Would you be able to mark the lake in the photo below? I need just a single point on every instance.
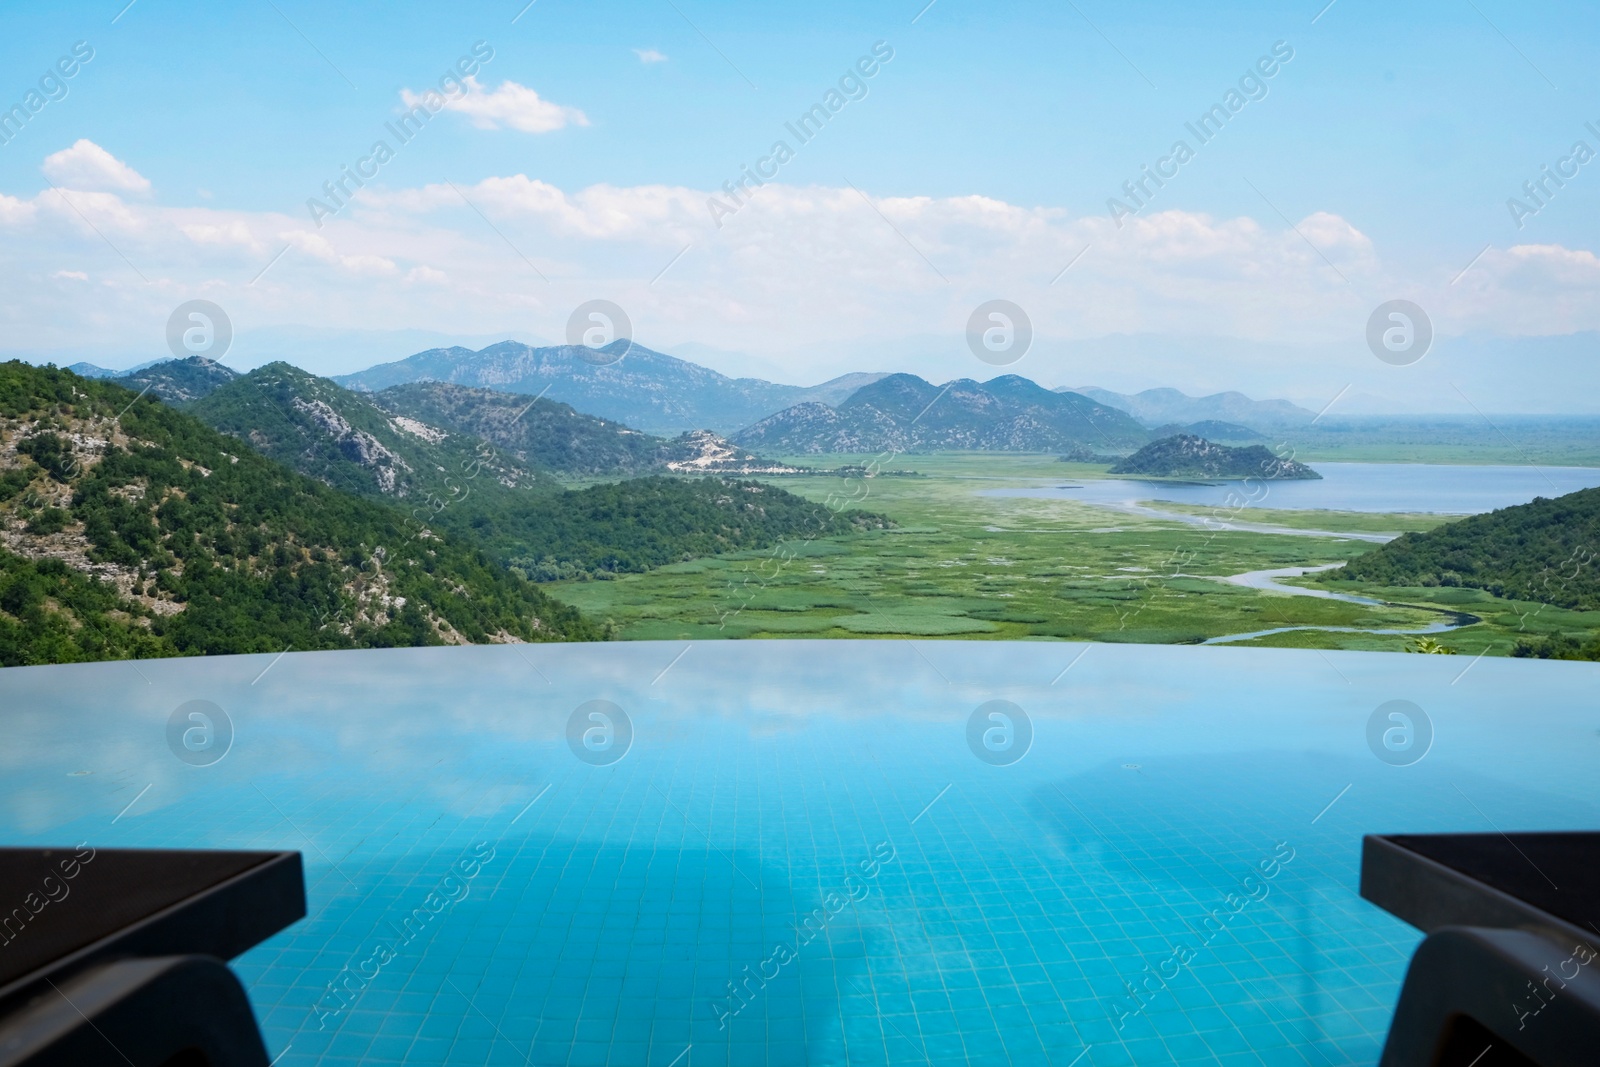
(789, 852)
(1415, 487)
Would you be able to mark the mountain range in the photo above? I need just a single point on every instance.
(401, 439)
(551, 434)
(504, 490)
(281, 510)
(903, 412)
(644, 389)
(130, 528)
(90, 370)
(1158, 407)
(347, 441)
(646, 411)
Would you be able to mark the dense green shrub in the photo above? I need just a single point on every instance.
(1557, 646)
(1544, 551)
(261, 558)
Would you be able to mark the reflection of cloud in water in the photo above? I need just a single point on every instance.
(432, 719)
(782, 763)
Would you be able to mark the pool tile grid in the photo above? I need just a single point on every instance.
(1019, 903)
(942, 928)
(1041, 929)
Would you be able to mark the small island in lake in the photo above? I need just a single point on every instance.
(1187, 456)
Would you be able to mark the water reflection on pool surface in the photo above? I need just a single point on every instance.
(860, 852)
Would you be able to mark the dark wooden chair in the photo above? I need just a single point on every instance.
(116, 956)
(1509, 974)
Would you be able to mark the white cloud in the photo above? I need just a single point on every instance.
(320, 248)
(234, 233)
(796, 269)
(88, 166)
(512, 105)
(13, 210)
(71, 275)
(1329, 232)
(1566, 263)
(426, 275)
(88, 211)
(649, 55)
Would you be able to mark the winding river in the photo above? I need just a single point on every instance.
(1267, 580)
(1368, 487)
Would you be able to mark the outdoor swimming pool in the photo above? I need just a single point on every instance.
(810, 852)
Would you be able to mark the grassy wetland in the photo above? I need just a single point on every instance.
(966, 565)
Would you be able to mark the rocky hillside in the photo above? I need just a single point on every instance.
(1188, 456)
(129, 528)
(493, 497)
(648, 390)
(703, 452)
(552, 435)
(345, 439)
(904, 412)
(179, 381)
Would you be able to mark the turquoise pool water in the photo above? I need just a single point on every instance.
(811, 852)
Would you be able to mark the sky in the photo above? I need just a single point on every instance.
(969, 153)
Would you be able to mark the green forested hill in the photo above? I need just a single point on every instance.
(1185, 455)
(418, 449)
(1544, 551)
(551, 435)
(636, 525)
(544, 433)
(178, 381)
(131, 528)
(907, 413)
(342, 438)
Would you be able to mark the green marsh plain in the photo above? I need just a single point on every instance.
(960, 564)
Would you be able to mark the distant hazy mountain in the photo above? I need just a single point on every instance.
(90, 370)
(329, 351)
(644, 389)
(904, 412)
(1211, 430)
(177, 381)
(1157, 407)
(836, 391)
(1188, 456)
(547, 433)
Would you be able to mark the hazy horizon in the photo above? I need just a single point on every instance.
(336, 353)
(1205, 200)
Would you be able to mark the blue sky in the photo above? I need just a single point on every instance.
(1378, 165)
